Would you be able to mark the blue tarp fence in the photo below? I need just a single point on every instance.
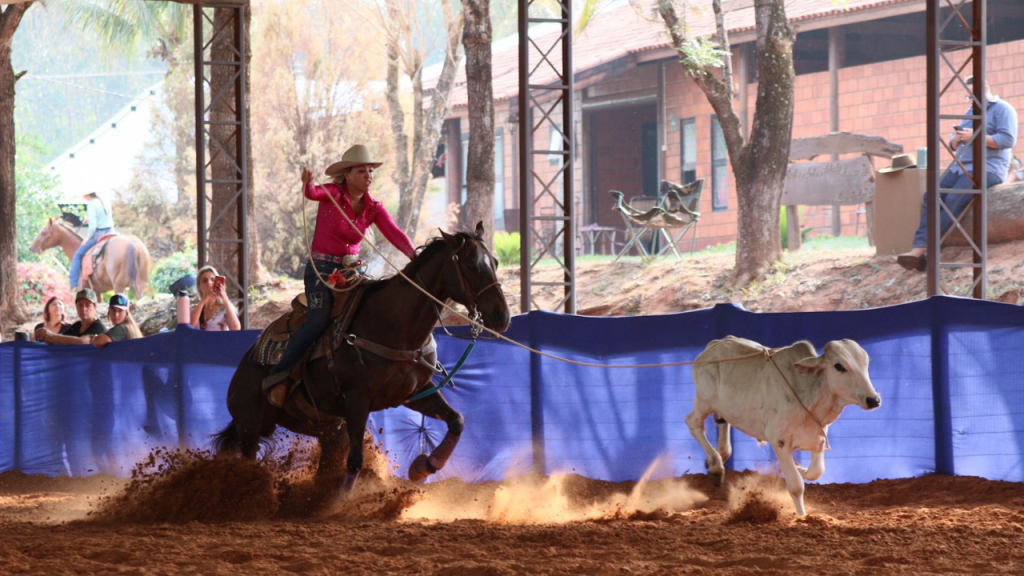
(950, 372)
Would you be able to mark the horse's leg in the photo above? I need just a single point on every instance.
(246, 406)
(357, 412)
(435, 406)
(334, 448)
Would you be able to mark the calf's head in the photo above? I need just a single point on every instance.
(843, 369)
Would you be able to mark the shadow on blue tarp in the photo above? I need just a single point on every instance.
(949, 370)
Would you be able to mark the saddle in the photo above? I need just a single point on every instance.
(275, 337)
(92, 258)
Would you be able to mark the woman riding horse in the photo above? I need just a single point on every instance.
(385, 358)
(335, 247)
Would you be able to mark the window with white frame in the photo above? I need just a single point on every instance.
(719, 167)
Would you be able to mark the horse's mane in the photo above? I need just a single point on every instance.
(65, 225)
(423, 254)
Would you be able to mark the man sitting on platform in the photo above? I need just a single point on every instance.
(1000, 140)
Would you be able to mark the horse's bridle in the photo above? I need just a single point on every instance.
(464, 284)
(49, 230)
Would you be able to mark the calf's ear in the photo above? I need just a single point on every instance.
(810, 366)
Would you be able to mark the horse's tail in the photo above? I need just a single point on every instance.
(226, 439)
(138, 267)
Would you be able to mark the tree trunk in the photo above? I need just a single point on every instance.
(11, 309)
(222, 152)
(427, 131)
(761, 172)
(759, 165)
(1005, 217)
(476, 39)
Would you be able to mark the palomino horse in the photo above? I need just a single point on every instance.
(125, 262)
(393, 315)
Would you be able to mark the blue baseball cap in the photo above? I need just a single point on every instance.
(119, 301)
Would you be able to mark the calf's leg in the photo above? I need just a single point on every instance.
(724, 440)
(817, 467)
(695, 422)
(794, 480)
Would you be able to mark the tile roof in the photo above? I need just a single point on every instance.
(625, 28)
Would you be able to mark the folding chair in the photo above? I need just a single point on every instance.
(635, 220)
(677, 209)
(682, 209)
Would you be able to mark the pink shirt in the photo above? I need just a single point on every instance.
(333, 233)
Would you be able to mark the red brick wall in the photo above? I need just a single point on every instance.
(617, 137)
(885, 99)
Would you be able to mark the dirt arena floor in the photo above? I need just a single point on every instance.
(186, 514)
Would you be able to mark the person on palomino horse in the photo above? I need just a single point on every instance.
(100, 219)
(335, 247)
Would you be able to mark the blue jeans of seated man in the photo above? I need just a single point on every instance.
(319, 299)
(956, 203)
(75, 274)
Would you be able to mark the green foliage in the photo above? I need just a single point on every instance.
(168, 270)
(698, 54)
(506, 247)
(37, 198)
(38, 282)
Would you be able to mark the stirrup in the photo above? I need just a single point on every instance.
(271, 380)
(278, 395)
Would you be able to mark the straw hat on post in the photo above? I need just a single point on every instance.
(357, 155)
(899, 162)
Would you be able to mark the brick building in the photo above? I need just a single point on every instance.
(640, 119)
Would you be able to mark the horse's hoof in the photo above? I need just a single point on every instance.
(420, 468)
(717, 478)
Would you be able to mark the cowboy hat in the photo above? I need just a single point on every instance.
(900, 162)
(88, 193)
(354, 156)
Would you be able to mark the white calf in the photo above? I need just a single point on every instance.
(752, 394)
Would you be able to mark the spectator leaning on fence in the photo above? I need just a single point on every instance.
(81, 332)
(1001, 122)
(122, 325)
(100, 220)
(215, 310)
(54, 318)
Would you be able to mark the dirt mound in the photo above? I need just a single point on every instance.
(178, 487)
(196, 486)
(756, 508)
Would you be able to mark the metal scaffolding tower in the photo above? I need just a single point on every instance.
(950, 37)
(222, 139)
(553, 234)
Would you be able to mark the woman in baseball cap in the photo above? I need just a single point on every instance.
(123, 326)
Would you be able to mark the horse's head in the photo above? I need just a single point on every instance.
(46, 238)
(471, 278)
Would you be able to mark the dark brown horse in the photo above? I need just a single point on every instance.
(125, 262)
(394, 315)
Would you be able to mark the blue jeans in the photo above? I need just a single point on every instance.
(319, 299)
(956, 203)
(75, 276)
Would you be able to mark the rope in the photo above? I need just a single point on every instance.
(821, 427)
(479, 325)
(765, 352)
(357, 278)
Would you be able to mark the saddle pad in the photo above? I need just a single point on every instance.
(274, 339)
(92, 257)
